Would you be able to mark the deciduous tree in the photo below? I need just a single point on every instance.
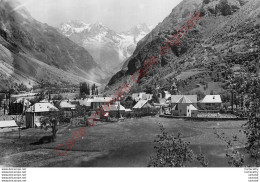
(51, 120)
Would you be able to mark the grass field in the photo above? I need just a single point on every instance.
(123, 144)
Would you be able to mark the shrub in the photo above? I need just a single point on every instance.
(173, 152)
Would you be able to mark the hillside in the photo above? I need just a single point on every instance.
(223, 42)
(108, 48)
(31, 51)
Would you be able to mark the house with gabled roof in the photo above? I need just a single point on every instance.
(113, 109)
(7, 125)
(68, 104)
(69, 107)
(36, 112)
(192, 98)
(142, 104)
(211, 102)
(98, 102)
(184, 105)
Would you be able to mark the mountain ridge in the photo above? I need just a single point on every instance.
(26, 45)
(108, 47)
(229, 28)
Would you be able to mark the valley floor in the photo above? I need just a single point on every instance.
(124, 144)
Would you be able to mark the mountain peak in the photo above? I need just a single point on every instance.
(75, 26)
(139, 28)
(108, 47)
(76, 23)
(100, 26)
(143, 26)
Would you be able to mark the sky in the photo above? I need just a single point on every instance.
(119, 15)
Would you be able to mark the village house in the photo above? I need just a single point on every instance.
(7, 125)
(113, 110)
(184, 105)
(36, 112)
(211, 102)
(68, 106)
(142, 104)
(98, 102)
(176, 98)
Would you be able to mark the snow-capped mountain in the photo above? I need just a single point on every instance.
(32, 52)
(108, 48)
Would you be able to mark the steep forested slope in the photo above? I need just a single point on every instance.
(223, 42)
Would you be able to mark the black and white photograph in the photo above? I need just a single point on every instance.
(129, 84)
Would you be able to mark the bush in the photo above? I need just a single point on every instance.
(129, 115)
(173, 152)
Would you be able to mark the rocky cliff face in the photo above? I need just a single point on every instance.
(31, 51)
(108, 48)
(224, 40)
